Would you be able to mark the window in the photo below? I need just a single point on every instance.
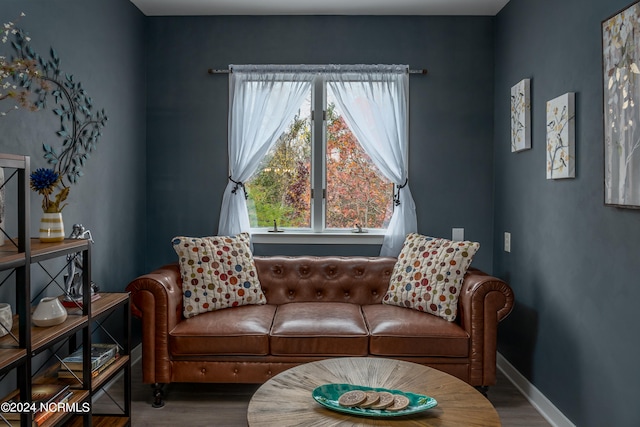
(302, 172)
(319, 177)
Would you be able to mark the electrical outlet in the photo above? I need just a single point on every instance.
(507, 241)
(457, 234)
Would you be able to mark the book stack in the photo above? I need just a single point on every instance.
(42, 396)
(102, 356)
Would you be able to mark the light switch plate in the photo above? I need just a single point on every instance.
(457, 234)
(507, 241)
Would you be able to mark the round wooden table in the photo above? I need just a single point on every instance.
(285, 400)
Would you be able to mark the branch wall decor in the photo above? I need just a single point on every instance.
(80, 122)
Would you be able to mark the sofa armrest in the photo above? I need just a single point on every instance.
(484, 301)
(156, 298)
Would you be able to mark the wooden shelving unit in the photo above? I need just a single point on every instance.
(26, 340)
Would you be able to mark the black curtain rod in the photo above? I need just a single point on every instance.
(227, 71)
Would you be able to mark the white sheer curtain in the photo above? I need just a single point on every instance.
(262, 101)
(374, 100)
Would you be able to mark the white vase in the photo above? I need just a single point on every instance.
(6, 319)
(49, 312)
(51, 227)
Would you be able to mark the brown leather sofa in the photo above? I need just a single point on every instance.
(317, 307)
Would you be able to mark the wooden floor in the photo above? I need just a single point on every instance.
(225, 405)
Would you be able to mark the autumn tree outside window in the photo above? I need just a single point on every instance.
(352, 191)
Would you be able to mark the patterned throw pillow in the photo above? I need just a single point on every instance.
(217, 272)
(428, 274)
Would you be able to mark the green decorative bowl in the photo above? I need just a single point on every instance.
(328, 394)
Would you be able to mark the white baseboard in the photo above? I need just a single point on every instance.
(538, 400)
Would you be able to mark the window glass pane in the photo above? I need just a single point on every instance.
(356, 191)
(280, 189)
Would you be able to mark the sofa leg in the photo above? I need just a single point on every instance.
(158, 395)
(483, 389)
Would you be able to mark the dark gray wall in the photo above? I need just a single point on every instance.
(451, 114)
(574, 262)
(572, 332)
(100, 42)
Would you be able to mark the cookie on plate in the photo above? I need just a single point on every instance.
(352, 398)
(399, 403)
(386, 399)
(373, 397)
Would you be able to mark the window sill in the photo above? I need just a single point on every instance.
(372, 237)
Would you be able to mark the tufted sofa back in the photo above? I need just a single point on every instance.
(357, 280)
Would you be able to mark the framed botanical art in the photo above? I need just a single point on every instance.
(520, 116)
(621, 84)
(561, 157)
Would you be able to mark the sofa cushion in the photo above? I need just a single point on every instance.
(319, 329)
(428, 274)
(232, 331)
(355, 280)
(396, 331)
(217, 272)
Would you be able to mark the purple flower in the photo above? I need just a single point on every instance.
(44, 180)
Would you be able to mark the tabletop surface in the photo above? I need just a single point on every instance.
(286, 399)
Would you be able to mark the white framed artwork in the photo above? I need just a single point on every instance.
(521, 116)
(561, 137)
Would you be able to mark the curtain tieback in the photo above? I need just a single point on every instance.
(396, 197)
(239, 184)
